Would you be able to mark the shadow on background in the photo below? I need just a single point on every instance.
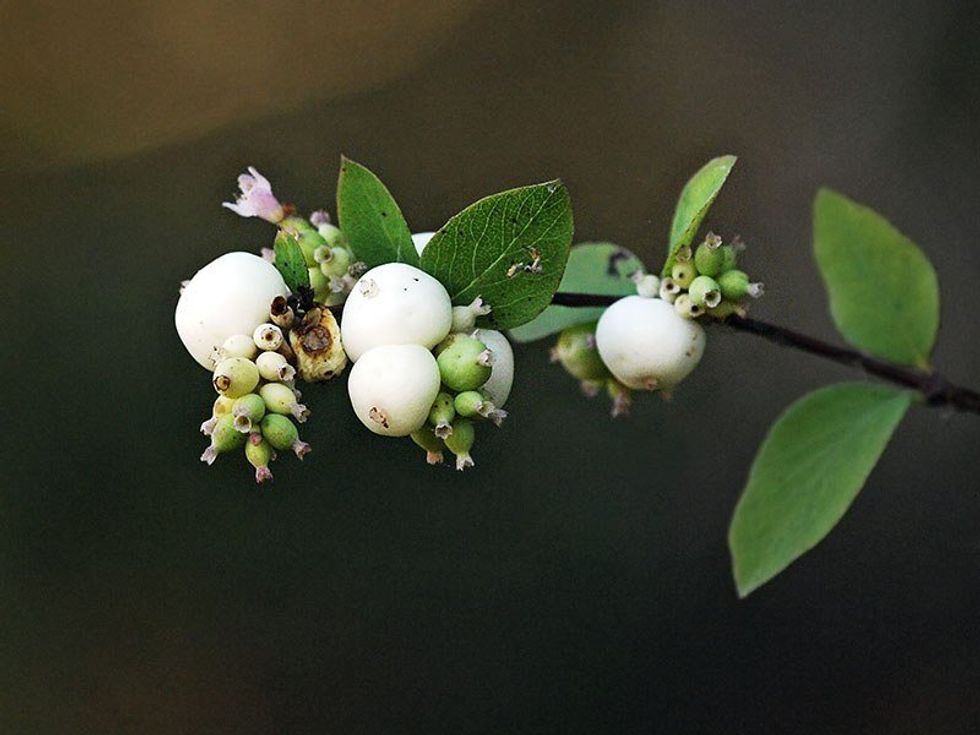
(578, 580)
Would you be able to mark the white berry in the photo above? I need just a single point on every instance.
(227, 297)
(395, 304)
(646, 345)
(392, 388)
(502, 369)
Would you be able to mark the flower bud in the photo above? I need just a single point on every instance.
(248, 411)
(224, 438)
(274, 367)
(460, 442)
(705, 292)
(280, 399)
(235, 376)
(316, 344)
(281, 433)
(267, 337)
(576, 351)
(686, 307)
(281, 313)
(669, 290)
(256, 198)
(432, 444)
(683, 273)
(441, 414)
(319, 217)
(259, 454)
(465, 364)
(735, 286)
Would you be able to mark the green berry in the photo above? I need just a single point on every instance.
(683, 273)
(224, 438)
(281, 399)
(684, 306)
(335, 262)
(729, 257)
(332, 235)
(235, 376)
(705, 292)
(296, 224)
(320, 284)
(248, 411)
(709, 258)
(465, 364)
(309, 241)
(281, 433)
(442, 414)
(461, 441)
(468, 403)
(735, 286)
(576, 351)
(259, 454)
(432, 444)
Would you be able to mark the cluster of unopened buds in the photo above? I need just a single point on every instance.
(651, 341)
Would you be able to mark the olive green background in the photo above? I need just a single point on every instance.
(576, 581)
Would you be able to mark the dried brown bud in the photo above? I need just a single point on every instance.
(316, 344)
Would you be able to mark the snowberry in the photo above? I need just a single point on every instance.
(224, 438)
(248, 410)
(432, 444)
(274, 367)
(267, 337)
(227, 297)
(501, 378)
(281, 433)
(282, 399)
(238, 345)
(705, 292)
(392, 388)
(259, 454)
(646, 345)
(465, 363)
(235, 376)
(460, 442)
(395, 304)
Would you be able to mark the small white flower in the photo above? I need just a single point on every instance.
(256, 198)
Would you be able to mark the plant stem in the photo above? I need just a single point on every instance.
(936, 389)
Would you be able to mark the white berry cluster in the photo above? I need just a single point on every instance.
(421, 368)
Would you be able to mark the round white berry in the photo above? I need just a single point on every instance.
(420, 240)
(392, 388)
(502, 366)
(395, 304)
(227, 297)
(646, 345)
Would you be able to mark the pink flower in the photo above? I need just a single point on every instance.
(256, 199)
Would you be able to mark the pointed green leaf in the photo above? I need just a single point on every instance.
(809, 469)
(370, 218)
(290, 262)
(884, 294)
(509, 249)
(593, 267)
(696, 199)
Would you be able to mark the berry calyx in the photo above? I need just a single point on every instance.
(235, 376)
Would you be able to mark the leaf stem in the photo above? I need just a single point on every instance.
(934, 387)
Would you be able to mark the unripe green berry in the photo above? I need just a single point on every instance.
(224, 438)
(432, 444)
(683, 273)
(735, 286)
(281, 399)
(335, 263)
(309, 241)
(704, 292)
(235, 376)
(576, 351)
(220, 407)
(468, 403)
(709, 258)
(465, 364)
(248, 411)
(442, 414)
(259, 454)
(320, 284)
(331, 234)
(281, 433)
(729, 258)
(684, 306)
(461, 441)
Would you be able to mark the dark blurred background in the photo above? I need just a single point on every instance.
(576, 581)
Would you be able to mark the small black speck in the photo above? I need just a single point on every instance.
(415, 279)
(406, 288)
(384, 214)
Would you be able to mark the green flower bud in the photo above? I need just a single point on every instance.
(259, 454)
(684, 306)
(432, 444)
(442, 414)
(576, 351)
(669, 290)
(622, 398)
(294, 224)
(465, 364)
(235, 376)
(683, 273)
(735, 286)
(709, 258)
(705, 292)
(281, 433)
(461, 441)
(281, 399)
(248, 411)
(224, 438)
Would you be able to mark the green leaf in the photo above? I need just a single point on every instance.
(370, 218)
(696, 198)
(884, 294)
(509, 249)
(290, 262)
(593, 267)
(809, 469)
